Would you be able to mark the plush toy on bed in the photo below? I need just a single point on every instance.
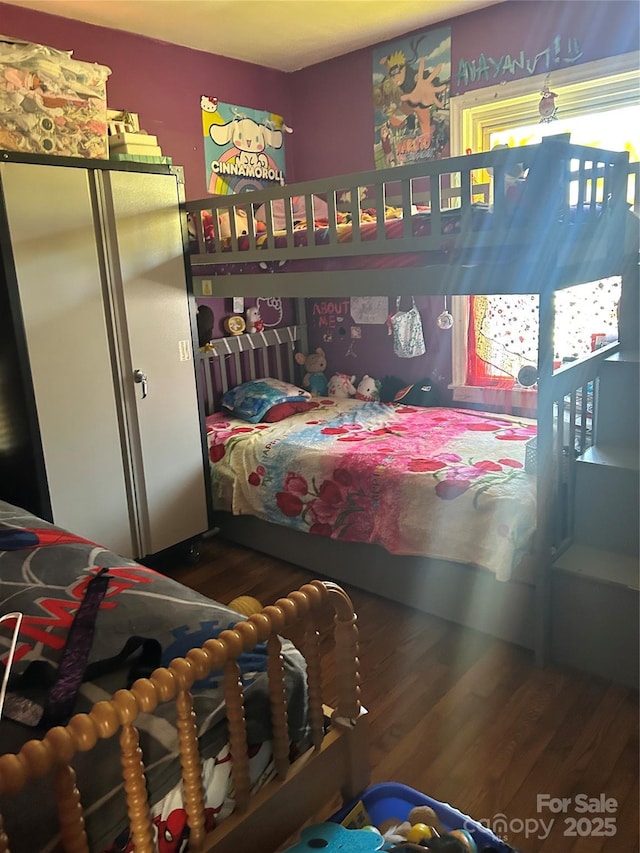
(315, 364)
(254, 320)
(341, 386)
(368, 389)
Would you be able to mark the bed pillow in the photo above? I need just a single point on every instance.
(422, 393)
(251, 400)
(284, 410)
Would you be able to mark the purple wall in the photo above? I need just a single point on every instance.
(161, 82)
(331, 110)
(549, 33)
(333, 101)
(373, 353)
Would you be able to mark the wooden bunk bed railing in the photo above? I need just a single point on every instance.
(343, 760)
(573, 390)
(562, 178)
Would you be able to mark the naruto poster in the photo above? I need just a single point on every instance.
(411, 90)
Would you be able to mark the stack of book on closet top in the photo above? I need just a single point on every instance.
(141, 147)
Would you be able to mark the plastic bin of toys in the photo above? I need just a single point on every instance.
(389, 801)
(51, 103)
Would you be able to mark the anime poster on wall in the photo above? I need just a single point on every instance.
(411, 88)
(243, 148)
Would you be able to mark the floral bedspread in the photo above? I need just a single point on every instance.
(437, 482)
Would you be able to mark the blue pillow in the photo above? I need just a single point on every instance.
(252, 400)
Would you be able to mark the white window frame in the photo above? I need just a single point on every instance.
(603, 85)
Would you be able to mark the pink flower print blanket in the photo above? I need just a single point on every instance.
(436, 482)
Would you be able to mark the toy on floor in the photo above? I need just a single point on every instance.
(315, 364)
(422, 830)
(341, 386)
(333, 838)
(368, 389)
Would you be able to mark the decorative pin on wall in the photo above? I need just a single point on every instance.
(547, 106)
(445, 319)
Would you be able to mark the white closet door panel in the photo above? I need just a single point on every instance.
(159, 342)
(59, 282)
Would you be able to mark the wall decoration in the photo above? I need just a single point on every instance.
(369, 309)
(561, 53)
(547, 106)
(411, 82)
(271, 310)
(329, 313)
(243, 148)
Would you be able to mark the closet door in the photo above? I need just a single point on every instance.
(155, 338)
(60, 285)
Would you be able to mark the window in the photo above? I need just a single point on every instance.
(494, 336)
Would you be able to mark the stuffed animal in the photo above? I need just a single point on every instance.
(205, 325)
(254, 320)
(368, 389)
(341, 386)
(315, 364)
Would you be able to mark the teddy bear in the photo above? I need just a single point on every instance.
(254, 320)
(341, 386)
(315, 364)
(368, 389)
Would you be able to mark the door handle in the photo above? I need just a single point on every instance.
(140, 378)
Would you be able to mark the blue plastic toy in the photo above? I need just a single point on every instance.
(333, 838)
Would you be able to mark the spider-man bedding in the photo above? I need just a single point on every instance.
(437, 482)
(44, 572)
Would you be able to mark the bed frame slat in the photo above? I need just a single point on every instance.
(191, 764)
(237, 733)
(278, 705)
(251, 226)
(136, 790)
(332, 218)
(314, 681)
(70, 812)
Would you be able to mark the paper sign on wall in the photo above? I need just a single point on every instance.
(369, 309)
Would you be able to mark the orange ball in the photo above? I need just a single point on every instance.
(245, 604)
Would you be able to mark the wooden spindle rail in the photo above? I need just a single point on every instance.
(54, 753)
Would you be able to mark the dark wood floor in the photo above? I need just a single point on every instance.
(470, 720)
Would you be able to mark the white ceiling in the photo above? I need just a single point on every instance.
(284, 34)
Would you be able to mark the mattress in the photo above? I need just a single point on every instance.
(434, 482)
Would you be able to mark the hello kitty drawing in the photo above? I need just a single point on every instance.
(208, 105)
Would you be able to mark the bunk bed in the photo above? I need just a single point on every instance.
(214, 728)
(457, 226)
